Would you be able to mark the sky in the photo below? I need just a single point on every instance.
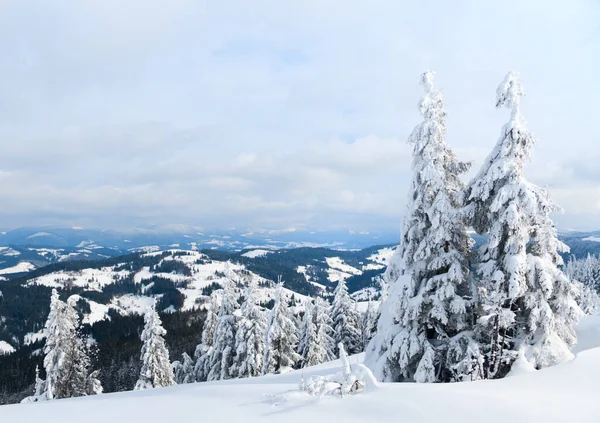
(271, 114)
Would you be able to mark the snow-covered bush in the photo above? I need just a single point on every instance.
(183, 371)
(350, 380)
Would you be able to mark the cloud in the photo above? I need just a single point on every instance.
(278, 114)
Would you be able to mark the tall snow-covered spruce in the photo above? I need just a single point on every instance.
(250, 336)
(368, 325)
(428, 310)
(322, 350)
(281, 339)
(205, 347)
(527, 303)
(315, 346)
(345, 320)
(220, 361)
(156, 371)
(66, 360)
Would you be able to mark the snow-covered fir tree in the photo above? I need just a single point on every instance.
(430, 290)
(86, 382)
(281, 339)
(527, 303)
(156, 371)
(316, 344)
(585, 274)
(308, 337)
(586, 271)
(66, 360)
(368, 325)
(587, 299)
(223, 349)
(94, 386)
(183, 371)
(345, 319)
(250, 336)
(325, 344)
(205, 347)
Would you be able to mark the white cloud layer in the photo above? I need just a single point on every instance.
(278, 114)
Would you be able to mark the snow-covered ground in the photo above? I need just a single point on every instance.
(22, 267)
(339, 270)
(256, 253)
(92, 279)
(564, 393)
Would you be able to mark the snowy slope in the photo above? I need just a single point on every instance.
(21, 267)
(565, 393)
(203, 272)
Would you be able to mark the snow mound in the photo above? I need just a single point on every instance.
(588, 334)
(564, 393)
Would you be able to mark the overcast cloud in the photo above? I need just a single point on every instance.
(278, 114)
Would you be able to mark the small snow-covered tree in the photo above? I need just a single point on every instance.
(85, 382)
(324, 344)
(426, 372)
(345, 319)
(308, 337)
(39, 393)
(586, 271)
(250, 336)
(281, 339)
(156, 371)
(430, 290)
(316, 344)
(527, 303)
(205, 347)
(585, 274)
(183, 371)
(223, 349)
(94, 386)
(368, 325)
